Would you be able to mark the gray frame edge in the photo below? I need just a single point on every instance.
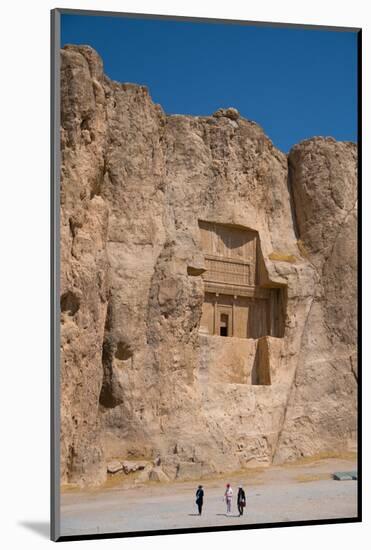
(55, 275)
(196, 19)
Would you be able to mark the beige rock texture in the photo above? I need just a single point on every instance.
(156, 474)
(140, 379)
(114, 467)
(131, 466)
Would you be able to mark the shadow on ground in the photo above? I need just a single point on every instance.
(229, 515)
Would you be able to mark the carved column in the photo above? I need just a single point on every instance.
(252, 318)
(272, 309)
(215, 312)
(233, 315)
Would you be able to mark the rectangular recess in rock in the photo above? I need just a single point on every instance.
(234, 287)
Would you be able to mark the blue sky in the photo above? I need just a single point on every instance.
(295, 83)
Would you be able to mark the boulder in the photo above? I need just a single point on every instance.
(230, 113)
(130, 466)
(114, 467)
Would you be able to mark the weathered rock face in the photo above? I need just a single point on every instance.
(140, 378)
(84, 265)
(321, 413)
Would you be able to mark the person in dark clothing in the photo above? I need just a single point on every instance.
(241, 500)
(200, 498)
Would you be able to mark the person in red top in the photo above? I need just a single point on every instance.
(228, 495)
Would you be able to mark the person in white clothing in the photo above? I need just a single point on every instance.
(228, 497)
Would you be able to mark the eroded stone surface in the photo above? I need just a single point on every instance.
(114, 467)
(321, 413)
(140, 380)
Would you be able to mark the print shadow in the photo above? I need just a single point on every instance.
(42, 528)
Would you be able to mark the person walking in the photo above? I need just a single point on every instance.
(228, 495)
(200, 499)
(241, 500)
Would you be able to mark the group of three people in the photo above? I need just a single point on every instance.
(228, 496)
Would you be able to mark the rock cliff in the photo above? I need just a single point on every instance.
(140, 379)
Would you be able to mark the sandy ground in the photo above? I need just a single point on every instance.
(285, 493)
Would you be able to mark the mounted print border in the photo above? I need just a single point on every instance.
(205, 293)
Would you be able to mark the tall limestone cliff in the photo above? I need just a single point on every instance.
(141, 375)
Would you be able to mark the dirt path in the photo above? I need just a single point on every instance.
(285, 493)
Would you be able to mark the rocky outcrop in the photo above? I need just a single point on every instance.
(84, 265)
(321, 412)
(140, 381)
